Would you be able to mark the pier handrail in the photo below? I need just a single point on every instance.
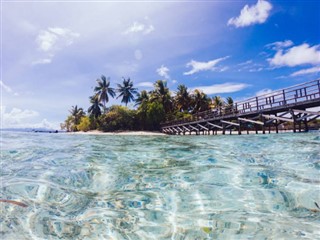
(300, 92)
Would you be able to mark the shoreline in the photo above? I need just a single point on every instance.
(120, 133)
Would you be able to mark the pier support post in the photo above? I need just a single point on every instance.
(294, 120)
(299, 116)
(306, 128)
(277, 128)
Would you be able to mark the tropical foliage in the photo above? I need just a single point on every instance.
(150, 108)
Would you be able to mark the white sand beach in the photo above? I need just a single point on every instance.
(122, 133)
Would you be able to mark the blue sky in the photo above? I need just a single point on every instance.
(53, 51)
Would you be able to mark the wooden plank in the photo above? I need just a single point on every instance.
(278, 118)
(281, 115)
(194, 128)
(251, 121)
(180, 129)
(214, 125)
(230, 123)
(306, 112)
(306, 116)
(175, 129)
(186, 128)
(202, 127)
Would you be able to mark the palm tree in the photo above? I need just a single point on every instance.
(182, 98)
(229, 105)
(77, 114)
(94, 110)
(217, 102)
(103, 90)
(162, 94)
(229, 101)
(126, 91)
(142, 98)
(142, 101)
(200, 101)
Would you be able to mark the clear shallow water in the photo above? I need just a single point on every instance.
(160, 187)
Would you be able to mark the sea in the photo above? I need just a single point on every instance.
(69, 186)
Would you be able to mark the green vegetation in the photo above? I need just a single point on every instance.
(151, 108)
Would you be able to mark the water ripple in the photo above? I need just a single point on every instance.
(154, 187)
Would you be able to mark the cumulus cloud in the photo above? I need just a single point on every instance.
(16, 116)
(52, 40)
(163, 72)
(145, 84)
(137, 27)
(298, 55)
(306, 71)
(280, 45)
(222, 88)
(257, 13)
(204, 66)
(23, 118)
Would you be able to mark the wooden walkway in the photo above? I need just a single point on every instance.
(261, 113)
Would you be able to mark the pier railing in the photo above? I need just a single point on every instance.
(280, 98)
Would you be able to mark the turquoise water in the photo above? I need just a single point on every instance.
(160, 187)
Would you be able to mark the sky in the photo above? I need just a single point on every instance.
(52, 52)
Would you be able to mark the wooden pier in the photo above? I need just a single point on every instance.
(263, 113)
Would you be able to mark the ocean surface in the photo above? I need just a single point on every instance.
(65, 186)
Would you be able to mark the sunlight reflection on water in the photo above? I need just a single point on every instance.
(160, 187)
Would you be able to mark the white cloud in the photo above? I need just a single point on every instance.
(52, 40)
(145, 84)
(163, 72)
(306, 71)
(42, 61)
(256, 69)
(203, 66)
(245, 63)
(55, 38)
(264, 92)
(138, 54)
(7, 88)
(23, 118)
(222, 88)
(280, 45)
(298, 55)
(174, 81)
(16, 116)
(149, 29)
(257, 13)
(137, 27)
(223, 69)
